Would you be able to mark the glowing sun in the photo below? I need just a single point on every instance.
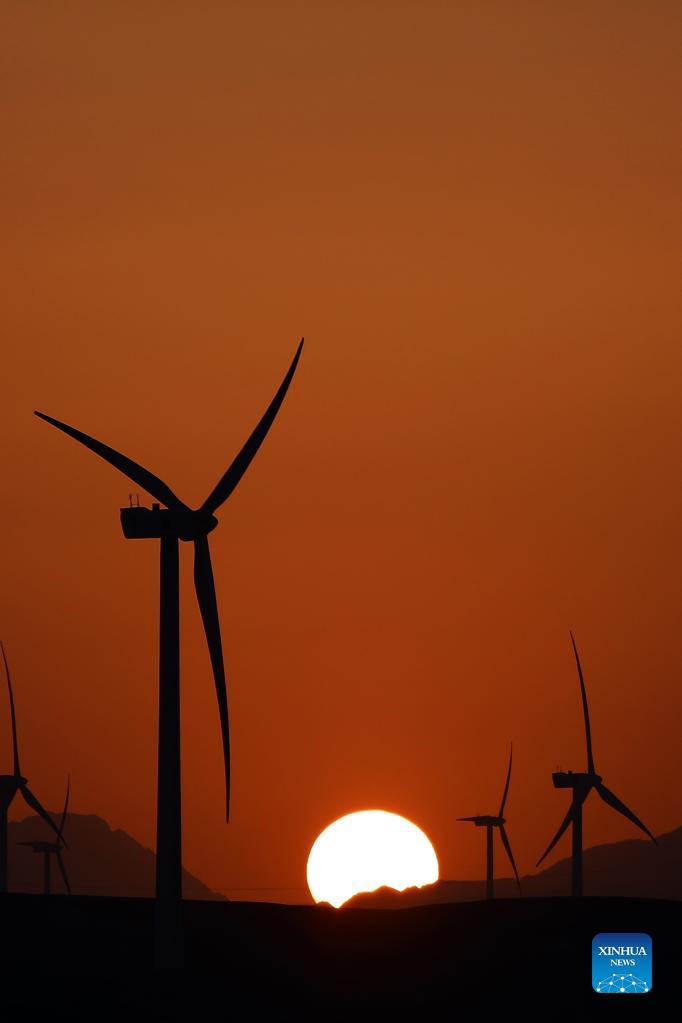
(363, 851)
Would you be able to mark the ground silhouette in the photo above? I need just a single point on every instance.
(299, 962)
(259, 960)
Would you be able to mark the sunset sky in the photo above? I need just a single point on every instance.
(472, 211)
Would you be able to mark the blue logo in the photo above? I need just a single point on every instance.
(621, 964)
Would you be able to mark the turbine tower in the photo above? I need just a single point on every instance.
(49, 849)
(581, 784)
(10, 784)
(490, 823)
(174, 522)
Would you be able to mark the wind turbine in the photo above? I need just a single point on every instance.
(581, 783)
(490, 823)
(49, 849)
(176, 521)
(10, 784)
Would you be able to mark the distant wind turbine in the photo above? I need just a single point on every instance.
(490, 823)
(581, 784)
(49, 849)
(169, 525)
(10, 784)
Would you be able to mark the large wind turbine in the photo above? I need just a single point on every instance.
(489, 823)
(176, 521)
(49, 849)
(581, 783)
(10, 784)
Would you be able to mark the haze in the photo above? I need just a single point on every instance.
(473, 214)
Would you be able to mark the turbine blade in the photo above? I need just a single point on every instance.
(562, 827)
(66, 806)
(507, 846)
(31, 801)
(137, 473)
(241, 463)
(609, 797)
(467, 818)
(564, 824)
(586, 713)
(15, 745)
(205, 590)
(506, 786)
(62, 870)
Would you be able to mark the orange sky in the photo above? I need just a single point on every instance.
(472, 211)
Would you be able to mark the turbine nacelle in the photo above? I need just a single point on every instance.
(584, 780)
(42, 847)
(140, 523)
(485, 822)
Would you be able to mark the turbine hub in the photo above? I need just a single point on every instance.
(9, 785)
(195, 525)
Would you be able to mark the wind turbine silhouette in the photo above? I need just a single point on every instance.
(169, 525)
(581, 783)
(10, 784)
(49, 849)
(489, 823)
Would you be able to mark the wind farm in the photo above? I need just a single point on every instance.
(367, 862)
(377, 873)
(378, 717)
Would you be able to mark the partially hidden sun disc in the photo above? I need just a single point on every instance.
(366, 850)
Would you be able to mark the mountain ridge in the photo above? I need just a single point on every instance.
(99, 860)
(633, 867)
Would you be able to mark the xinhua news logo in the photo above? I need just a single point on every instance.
(621, 964)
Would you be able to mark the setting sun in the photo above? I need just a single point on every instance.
(364, 851)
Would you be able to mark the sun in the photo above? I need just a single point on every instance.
(365, 850)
